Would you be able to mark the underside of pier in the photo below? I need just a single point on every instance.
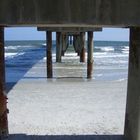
(77, 16)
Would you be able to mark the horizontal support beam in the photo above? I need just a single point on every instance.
(70, 30)
(70, 13)
(71, 33)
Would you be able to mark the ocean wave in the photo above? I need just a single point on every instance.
(44, 44)
(125, 52)
(12, 47)
(18, 47)
(116, 62)
(70, 54)
(99, 75)
(107, 49)
(109, 55)
(120, 80)
(100, 53)
(126, 48)
(12, 55)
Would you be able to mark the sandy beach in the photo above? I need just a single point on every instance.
(66, 106)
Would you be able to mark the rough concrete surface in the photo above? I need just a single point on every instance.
(84, 13)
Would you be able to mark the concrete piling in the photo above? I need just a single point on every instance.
(76, 44)
(132, 119)
(58, 46)
(49, 55)
(70, 42)
(3, 97)
(64, 44)
(82, 45)
(90, 55)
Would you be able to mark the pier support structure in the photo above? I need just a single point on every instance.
(82, 46)
(70, 41)
(49, 55)
(58, 46)
(3, 97)
(76, 44)
(64, 43)
(90, 55)
(132, 120)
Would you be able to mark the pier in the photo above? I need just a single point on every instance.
(80, 16)
(64, 40)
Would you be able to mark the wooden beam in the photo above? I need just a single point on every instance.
(90, 55)
(3, 97)
(49, 55)
(132, 119)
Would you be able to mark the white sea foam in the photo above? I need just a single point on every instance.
(107, 49)
(99, 75)
(126, 48)
(44, 44)
(109, 55)
(12, 55)
(12, 47)
(112, 61)
(18, 47)
(100, 53)
(70, 54)
(125, 52)
(67, 56)
(122, 79)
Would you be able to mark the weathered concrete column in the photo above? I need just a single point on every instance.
(49, 55)
(67, 42)
(3, 97)
(74, 41)
(90, 55)
(82, 43)
(75, 45)
(132, 120)
(70, 40)
(58, 46)
(64, 44)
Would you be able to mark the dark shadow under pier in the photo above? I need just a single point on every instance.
(65, 137)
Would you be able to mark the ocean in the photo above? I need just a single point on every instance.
(110, 58)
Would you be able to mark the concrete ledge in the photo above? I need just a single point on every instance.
(70, 12)
(68, 29)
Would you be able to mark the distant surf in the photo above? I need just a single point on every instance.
(110, 58)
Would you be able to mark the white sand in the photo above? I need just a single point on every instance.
(66, 106)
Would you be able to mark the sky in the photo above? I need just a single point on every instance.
(31, 33)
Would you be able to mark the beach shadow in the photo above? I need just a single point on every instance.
(9, 86)
(39, 77)
(65, 137)
(18, 66)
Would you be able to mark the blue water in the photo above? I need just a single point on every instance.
(110, 58)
